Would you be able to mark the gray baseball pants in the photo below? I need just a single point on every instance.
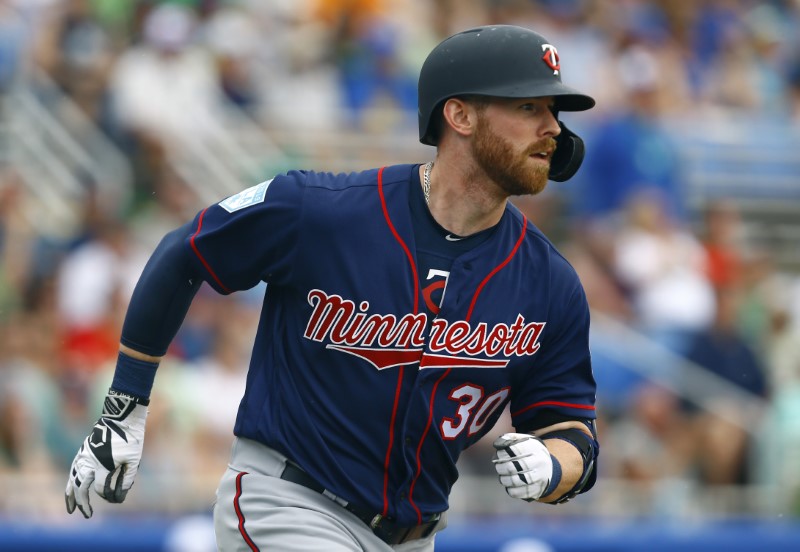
(256, 510)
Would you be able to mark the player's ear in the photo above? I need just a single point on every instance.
(460, 116)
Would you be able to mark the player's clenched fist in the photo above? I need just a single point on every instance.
(109, 457)
(524, 465)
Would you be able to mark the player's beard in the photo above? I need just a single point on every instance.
(509, 168)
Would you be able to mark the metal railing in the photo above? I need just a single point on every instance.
(658, 364)
(54, 163)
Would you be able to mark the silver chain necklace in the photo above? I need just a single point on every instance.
(426, 183)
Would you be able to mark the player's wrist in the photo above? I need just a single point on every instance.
(134, 378)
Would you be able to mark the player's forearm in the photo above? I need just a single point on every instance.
(571, 467)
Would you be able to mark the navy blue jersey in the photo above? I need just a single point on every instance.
(351, 375)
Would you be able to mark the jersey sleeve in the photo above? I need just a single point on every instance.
(249, 237)
(560, 382)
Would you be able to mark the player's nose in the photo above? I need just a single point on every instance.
(550, 126)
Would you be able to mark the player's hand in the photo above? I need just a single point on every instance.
(524, 465)
(109, 457)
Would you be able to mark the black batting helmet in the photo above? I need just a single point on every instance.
(504, 61)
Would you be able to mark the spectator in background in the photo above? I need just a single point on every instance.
(778, 438)
(764, 310)
(784, 347)
(232, 37)
(165, 92)
(779, 448)
(16, 237)
(630, 150)
(663, 267)
(650, 442)
(722, 350)
(42, 404)
(14, 413)
(75, 50)
(29, 394)
(705, 29)
(365, 45)
(722, 238)
(93, 284)
(749, 69)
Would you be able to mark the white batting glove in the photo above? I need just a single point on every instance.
(524, 465)
(109, 457)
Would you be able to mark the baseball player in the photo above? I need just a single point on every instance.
(405, 307)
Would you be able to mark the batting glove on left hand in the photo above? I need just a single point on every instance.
(524, 465)
(109, 457)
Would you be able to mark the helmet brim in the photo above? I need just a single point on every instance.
(566, 98)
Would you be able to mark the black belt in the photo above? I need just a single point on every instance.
(385, 528)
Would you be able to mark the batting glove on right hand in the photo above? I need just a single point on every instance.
(109, 457)
(524, 465)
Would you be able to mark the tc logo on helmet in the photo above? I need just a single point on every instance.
(550, 57)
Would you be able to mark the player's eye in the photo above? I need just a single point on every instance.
(535, 108)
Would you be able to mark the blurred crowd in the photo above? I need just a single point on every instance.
(707, 393)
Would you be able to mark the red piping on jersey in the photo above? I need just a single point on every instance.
(240, 515)
(553, 403)
(419, 447)
(386, 461)
(207, 266)
(436, 385)
(400, 373)
(499, 267)
(399, 239)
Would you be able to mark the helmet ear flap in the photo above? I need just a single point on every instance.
(568, 156)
